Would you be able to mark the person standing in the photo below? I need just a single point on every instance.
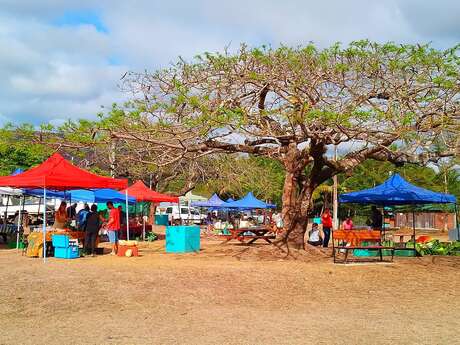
(113, 226)
(122, 215)
(326, 220)
(91, 227)
(81, 217)
(60, 217)
(347, 224)
(72, 212)
(376, 219)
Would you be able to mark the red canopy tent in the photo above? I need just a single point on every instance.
(58, 174)
(143, 193)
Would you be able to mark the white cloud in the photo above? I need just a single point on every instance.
(51, 72)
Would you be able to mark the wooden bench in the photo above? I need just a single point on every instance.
(355, 238)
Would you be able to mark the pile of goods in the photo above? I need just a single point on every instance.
(435, 247)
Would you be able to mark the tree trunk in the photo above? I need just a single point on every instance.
(296, 203)
(298, 189)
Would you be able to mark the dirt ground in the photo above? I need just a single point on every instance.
(227, 294)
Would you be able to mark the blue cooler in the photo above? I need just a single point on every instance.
(64, 247)
(182, 239)
(66, 253)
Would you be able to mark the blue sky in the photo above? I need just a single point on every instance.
(64, 59)
(78, 17)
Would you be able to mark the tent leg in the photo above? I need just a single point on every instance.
(143, 221)
(39, 202)
(456, 223)
(5, 222)
(127, 215)
(44, 224)
(19, 222)
(143, 228)
(413, 228)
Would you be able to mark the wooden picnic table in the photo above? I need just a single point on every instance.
(402, 237)
(258, 233)
(355, 237)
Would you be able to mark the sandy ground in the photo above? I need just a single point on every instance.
(227, 295)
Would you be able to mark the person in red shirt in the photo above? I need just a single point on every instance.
(326, 220)
(113, 226)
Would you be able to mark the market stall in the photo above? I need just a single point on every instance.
(397, 191)
(141, 193)
(57, 174)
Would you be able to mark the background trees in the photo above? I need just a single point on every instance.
(381, 102)
(396, 103)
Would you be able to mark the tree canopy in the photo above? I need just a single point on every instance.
(386, 102)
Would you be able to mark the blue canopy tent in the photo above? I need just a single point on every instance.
(213, 202)
(397, 191)
(230, 200)
(249, 202)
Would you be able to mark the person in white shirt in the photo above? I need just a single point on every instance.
(314, 238)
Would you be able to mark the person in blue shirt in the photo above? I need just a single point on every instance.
(81, 217)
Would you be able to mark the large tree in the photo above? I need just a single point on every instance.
(387, 102)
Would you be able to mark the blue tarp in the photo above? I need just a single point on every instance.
(249, 202)
(213, 202)
(100, 196)
(396, 191)
(49, 193)
(95, 196)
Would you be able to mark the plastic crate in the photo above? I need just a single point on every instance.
(405, 252)
(66, 253)
(182, 239)
(365, 252)
(372, 252)
(60, 241)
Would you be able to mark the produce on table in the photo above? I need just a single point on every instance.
(435, 247)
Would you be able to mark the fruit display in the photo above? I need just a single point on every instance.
(435, 247)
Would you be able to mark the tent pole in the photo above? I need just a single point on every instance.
(44, 225)
(143, 222)
(127, 214)
(39, 203)
(5, 223)
(413, 227)
(19, 221)
(456, 222)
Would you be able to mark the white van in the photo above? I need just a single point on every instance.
(184, 213)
